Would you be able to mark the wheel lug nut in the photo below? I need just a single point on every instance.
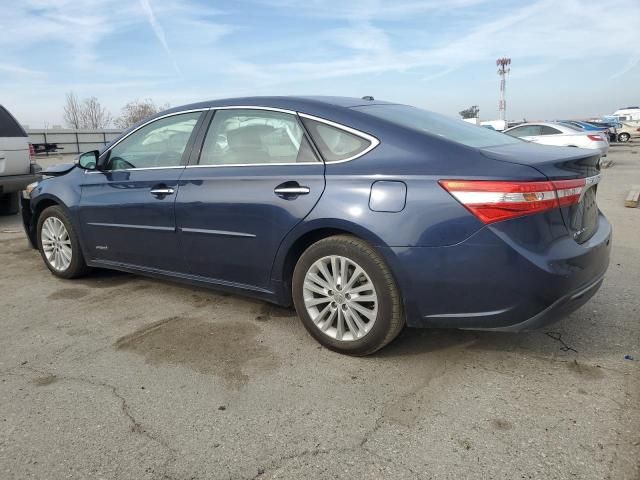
(344, 306)
(334, 304)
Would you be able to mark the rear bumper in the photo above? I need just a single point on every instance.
(27, 221)
(554, 312)
(15, 183)
(505, 277)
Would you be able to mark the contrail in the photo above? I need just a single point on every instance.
(631, 64)
(159, 32)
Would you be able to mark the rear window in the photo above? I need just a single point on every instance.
(438, 125)
(8, 125)
(335, 144)
(546, 130)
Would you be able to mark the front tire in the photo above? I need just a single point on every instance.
(624, 137)
(346, 296)
(59, 245)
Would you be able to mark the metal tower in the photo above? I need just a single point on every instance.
(503, 70)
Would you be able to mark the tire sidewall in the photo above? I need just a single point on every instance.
(375, 338)
(77, 265)
(624, 137)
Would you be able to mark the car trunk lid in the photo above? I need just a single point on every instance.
(561, 163)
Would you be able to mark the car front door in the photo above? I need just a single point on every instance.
(256, 177)
(127, 206)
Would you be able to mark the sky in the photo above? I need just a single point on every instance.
(570, 58)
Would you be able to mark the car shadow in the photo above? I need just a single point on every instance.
(418, 342)
(410, 342)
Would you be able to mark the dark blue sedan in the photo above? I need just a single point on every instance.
(365, 215)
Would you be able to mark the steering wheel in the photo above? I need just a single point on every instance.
(119, 163)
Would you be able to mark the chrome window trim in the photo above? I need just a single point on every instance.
(89, 172)
(151, 121)
(256, 165)
(373, 141)
(254, 107)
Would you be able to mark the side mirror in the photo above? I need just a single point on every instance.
(89, 160)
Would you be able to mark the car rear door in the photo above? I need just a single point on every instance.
(127, 207)
(255, 178)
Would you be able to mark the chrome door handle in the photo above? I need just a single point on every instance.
(292, 190)
(162, 191)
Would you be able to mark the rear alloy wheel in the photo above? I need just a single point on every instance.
(624, 137)
(58, 244)
(346, 296)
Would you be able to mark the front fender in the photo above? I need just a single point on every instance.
(64, 191)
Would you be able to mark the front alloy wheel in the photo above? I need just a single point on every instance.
(58, 244)
(346, 296)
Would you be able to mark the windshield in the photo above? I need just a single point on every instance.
(439, 125)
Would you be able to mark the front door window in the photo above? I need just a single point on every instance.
(159, 144)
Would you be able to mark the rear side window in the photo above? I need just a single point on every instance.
(546, 130)
(9, 127)
(525, 131)
(334, 143)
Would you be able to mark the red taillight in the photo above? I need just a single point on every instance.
(494, 201)
(595, 138)
(32, 153)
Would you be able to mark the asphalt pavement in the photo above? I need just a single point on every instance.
(117, 376)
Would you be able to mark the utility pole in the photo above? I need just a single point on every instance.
(503, 69)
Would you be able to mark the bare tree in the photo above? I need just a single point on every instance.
(471, 112)
(137, 110)
(94, 115)
(87, 113)
(72, 111)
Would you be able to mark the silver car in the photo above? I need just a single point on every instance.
(17, 165)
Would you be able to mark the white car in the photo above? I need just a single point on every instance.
(551, 133)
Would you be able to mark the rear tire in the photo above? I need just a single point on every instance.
(59, 245)
(10, 203)
(624, 137)
(346, 296)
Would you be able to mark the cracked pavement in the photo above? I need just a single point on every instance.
(116, 376)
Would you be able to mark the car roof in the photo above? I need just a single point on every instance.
(549, 124)
(296, 103)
